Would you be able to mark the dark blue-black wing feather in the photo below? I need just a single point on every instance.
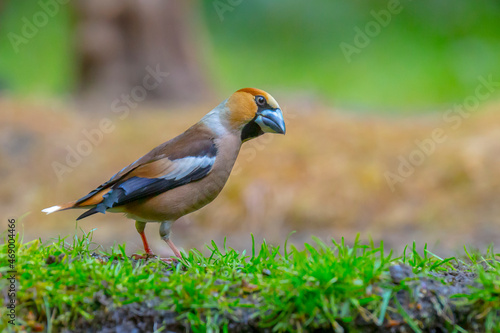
(137, 188)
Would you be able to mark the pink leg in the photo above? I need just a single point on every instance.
(165, 235)
(177, 253)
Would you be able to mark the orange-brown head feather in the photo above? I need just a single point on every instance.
(242, 106)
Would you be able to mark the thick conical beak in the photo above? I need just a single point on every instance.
(271, 121)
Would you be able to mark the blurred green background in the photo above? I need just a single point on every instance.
(429, 55)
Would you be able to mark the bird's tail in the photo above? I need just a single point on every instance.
(57, 208)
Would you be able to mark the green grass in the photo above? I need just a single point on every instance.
(331, 286)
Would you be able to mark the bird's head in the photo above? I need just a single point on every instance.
(254, 112)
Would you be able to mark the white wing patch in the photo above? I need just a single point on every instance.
(184, 166)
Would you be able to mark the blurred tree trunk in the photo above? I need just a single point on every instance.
(119, 42)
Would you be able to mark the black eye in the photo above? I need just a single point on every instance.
(261, 101)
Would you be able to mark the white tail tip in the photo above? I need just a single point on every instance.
(51, 209)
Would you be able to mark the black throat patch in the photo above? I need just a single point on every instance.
(250, 131)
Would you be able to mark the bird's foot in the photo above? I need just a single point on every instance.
(146, 256)
(170, 260)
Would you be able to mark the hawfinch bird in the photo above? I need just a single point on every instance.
(184, 174)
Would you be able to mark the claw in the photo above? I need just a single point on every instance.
(146, 256)
(169, 260)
